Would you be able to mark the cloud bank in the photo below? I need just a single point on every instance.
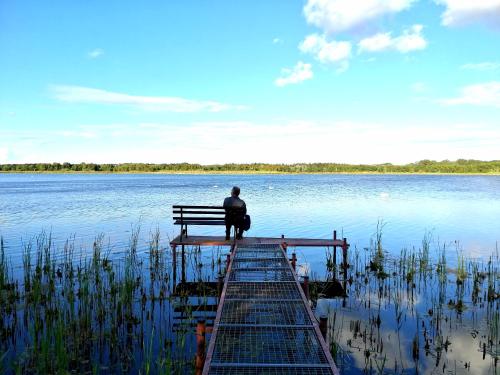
(213, 142)
(79, 94)
(4, 153)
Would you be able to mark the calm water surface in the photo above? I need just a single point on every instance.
(374, 327)
(454, 208)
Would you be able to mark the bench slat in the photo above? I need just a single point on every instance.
(187, 218)
(204, 207)
(196, 222)
(199, 212)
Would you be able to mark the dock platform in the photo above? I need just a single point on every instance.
(253, 241)
(264, 324)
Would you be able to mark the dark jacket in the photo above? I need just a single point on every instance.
(235, 209)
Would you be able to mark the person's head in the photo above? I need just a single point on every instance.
(235, 191)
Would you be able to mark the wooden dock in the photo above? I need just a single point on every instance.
(252, 241)
(264, 323)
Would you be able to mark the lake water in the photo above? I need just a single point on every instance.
(465, 209)
(396, 316)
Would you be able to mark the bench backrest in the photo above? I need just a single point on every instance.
(186, 214)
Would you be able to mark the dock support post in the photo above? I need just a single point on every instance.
(294, 261)
(285, 246)
(335, 256)
(323, 325)
(174, 265)
(182, 223)
(344, 256)
(183, 264)
(305, 287)
(200, 346)
(228, 260)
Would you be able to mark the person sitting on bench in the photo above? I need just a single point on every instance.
(236, 210)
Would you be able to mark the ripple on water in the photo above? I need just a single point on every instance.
(459, 208)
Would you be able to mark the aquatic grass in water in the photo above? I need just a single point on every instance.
(99, 314)
(94, 314)
(421, 318)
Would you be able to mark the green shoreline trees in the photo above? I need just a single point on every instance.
(423, 166)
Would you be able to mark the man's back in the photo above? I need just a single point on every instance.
(235, 207)
(236, 210)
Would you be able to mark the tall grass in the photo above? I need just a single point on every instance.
(84, 312)
(422, 316)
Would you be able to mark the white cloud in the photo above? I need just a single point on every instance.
(277, 41)
(4, 154)
(411, 40)
(377, 42)
(324, 51)
(463, 12)
(327, 52)
(94, 54)
(482, 94)
(78, 94)
(481, 66)
(340, 15)
(300, 72)
(223, 142)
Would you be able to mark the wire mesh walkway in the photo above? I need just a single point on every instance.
(264, 324)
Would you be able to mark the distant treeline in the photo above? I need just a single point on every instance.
(423, 166)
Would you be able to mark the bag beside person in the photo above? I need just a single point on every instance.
(246, 223)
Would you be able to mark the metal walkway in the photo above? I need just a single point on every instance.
(264, 324)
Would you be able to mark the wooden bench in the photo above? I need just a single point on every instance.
(197, 215)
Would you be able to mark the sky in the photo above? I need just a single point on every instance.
(282, 81)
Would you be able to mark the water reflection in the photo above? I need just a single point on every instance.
(413, 314)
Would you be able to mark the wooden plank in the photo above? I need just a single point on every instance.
(210, 212)
(221, 241)
(200, 222)
(187, 218)
(196, 207)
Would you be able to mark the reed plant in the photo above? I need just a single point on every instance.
(72, 311)
(79, 312)
(423, 306)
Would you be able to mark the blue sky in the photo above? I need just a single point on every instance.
(249, 81)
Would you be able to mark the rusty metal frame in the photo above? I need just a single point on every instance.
(314, 321)
(315, 326)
